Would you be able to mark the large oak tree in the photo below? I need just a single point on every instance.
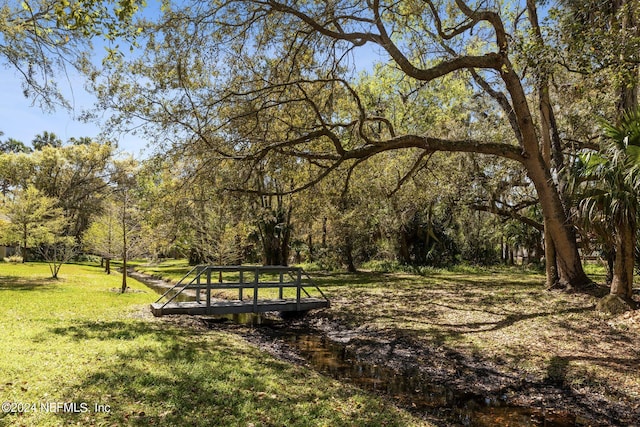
(275, 79)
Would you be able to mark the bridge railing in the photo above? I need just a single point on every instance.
(268, 282)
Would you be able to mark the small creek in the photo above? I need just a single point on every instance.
(410, 389)
(160, 286)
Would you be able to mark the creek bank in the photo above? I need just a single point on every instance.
(159, 285)
(461, 389)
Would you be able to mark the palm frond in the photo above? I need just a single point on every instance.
(611, 189)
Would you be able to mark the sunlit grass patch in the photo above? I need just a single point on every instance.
(77, 341)
(169, 269)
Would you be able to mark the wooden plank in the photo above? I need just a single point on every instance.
(232, 307)
(250, 285)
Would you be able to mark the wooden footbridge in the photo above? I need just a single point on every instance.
(241, 289)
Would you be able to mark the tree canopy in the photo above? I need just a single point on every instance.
(274, 83)
(289, 121)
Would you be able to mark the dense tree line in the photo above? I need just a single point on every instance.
(167, 207)
(475, 129)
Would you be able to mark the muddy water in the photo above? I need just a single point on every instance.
(412, 390)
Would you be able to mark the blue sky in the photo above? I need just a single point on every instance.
(22, 120)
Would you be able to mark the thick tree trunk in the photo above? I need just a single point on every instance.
(348, 253)
(623, 264)
(557, 223)
(550, 259)
(550, 149)
(195, 256)
(310, 247)
(324, 233)
(403, 248)
(285, 246)
(569, 268)
(610, 256)
(276, 247)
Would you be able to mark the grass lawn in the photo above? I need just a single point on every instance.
(170, 269)
(76, 341)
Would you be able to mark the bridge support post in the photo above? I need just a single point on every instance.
(299, 285)
(256, 279)
(198, 288)
(208, 289)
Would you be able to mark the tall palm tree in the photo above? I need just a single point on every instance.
(47, 139)
(614, 193)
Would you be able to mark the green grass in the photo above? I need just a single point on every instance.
(77, 340)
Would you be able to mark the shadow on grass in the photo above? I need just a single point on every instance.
(364, 279)
(561, 373)
(13, 283)
(621, 364)
(508, 320)
(114, 330)
(372, 297)
(198, 378)
(405, 281)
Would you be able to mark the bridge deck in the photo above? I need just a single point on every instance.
(237, 306)
(282, 280)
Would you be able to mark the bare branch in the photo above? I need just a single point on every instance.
(417, 166)
(502, 100)
(509, 214)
